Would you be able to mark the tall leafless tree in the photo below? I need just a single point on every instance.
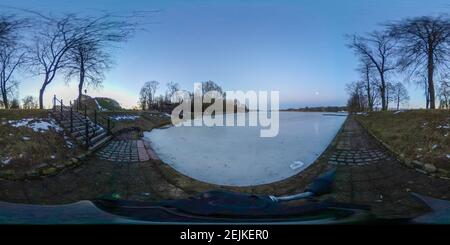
(357, 97)
(51, 43)
(172, 87)
(147, 95)
(366, 70)
(400, 94)
(444, 94)
(12, 55)
(378, 48)
(90, 57)
(153, 86)
(423, 46)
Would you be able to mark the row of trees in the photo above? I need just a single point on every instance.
(70, 45)
(28, 102)
(148, 100)
(418, 47)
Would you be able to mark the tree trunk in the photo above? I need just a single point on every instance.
(5, 98)
(41, 96)
(369, 98)
(430, 69)
(383, 94)
(80, 87)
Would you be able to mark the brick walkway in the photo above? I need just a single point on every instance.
(127, 151)
(379, 180)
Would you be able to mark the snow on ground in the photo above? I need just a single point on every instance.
(99, 106)
(397, 112)
(124, 117)
(37, 125)
(448, 156)
(445, 126)
(6, 160)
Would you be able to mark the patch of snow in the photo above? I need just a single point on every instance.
(99, 106)
(446, 126)
(445, 135)
(419, 149)
(124, 117)
(26, 138)
(296, 164)
(397, 112)
(434, 147)
(6, 161)
(36, 124)
(448, 156)
(53, 157)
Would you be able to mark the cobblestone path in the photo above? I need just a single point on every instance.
(367, 174)
(127, 151)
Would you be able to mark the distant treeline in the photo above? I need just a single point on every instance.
(319, 109)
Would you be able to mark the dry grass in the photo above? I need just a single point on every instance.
(39, 148)
(418, 134)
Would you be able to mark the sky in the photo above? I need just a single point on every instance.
(295, 47)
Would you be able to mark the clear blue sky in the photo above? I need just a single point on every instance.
(296, 47)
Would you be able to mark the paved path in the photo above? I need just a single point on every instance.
(127, 151)
(367, 174)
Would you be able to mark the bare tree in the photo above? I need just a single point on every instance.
(378, 48)
(15, 104)
(366, 70)
(147, 95)
(153, 86)
(211, 86)
(89, 57)
(390, 91)
(52, 40)
(400, 94)
(12, 55)
(144, 97)
(423, 46)
(357, 97)
(444, 94)
(172, 87)
(29, 102)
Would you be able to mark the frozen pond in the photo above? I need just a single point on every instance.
(237, 156)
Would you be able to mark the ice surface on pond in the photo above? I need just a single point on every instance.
(37, 125)
(124, 117)
(238, 156)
